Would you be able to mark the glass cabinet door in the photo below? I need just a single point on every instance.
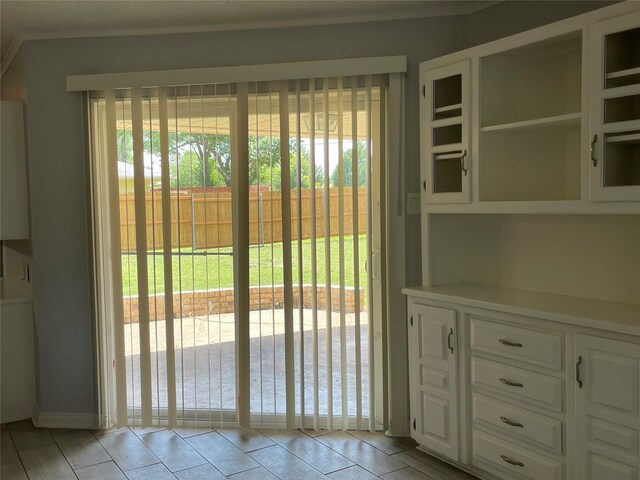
(615, 110)
(445, 120)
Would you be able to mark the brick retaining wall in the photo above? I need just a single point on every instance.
(201, 302)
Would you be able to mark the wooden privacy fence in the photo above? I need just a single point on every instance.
(204, 220)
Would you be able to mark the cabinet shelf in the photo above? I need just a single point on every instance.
(445, 122)
(449, 108)
(623, 73)
(624, 139)
(449, 148)
(554, 121)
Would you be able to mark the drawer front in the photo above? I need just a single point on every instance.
(542, 349)
(493, 451)
(522, 384)
(518, 422)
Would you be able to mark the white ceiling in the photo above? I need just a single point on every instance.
(39, 19)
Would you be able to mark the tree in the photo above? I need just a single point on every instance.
(204, 160)
(125, 146)
(347, 167)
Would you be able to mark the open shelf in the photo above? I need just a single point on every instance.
(531, 164)
(555, 121)
(542, 80)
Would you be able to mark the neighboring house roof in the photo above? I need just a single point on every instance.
(125, 170)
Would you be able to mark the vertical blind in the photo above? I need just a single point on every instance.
(234, 225)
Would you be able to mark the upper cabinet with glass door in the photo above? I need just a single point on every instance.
(446, 133)
(615, 109)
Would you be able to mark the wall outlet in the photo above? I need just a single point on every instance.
(413, 203)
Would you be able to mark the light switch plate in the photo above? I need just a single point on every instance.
(413, 203)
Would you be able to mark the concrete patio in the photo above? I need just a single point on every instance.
(205, 363)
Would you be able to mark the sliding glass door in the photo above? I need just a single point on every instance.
(236, 252)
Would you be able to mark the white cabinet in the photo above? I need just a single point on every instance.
(445, 114)
(433, 378)
(17, 360)
(517, 412)
(607, 409)
(547, 121)
(615, 109)
(537, 387)
(13, 178)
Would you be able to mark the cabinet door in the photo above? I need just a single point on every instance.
(608, 409)
(446, 132)
(13, 177)
(434, 400)
(615, 109)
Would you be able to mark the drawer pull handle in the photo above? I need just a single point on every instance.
(511, 461)
(511, 422)
(509, 343)
(464, 169)
(510, 383)
(449, 340)
(578, 376)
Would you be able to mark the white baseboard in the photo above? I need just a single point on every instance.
(65, 420)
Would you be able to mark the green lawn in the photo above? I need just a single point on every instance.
(193, 272)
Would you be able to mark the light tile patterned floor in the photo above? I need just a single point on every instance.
(190, 454)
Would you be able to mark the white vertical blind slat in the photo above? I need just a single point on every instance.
(155, 367)
(341, 267)
(327, 251)
(300, 260)
(240, 196)
(314, 256)
(370, 266)
(167, 259)
(116, 262)
(382, 261)
(356, 244)
(283, 95)
(141, 256)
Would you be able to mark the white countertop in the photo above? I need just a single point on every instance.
(585, 312)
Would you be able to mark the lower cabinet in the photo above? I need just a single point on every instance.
(434, 396)
(512, 397)
(608, 409)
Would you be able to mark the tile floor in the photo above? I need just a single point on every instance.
(190, 454)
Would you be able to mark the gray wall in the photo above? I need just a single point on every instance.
(58, 163)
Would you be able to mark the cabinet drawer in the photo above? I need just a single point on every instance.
(542, 349)
(523, 384)
(493, 451)
(518, 422)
